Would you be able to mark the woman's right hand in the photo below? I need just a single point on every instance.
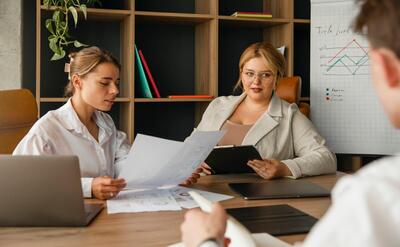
(106, 187)
(206, 168)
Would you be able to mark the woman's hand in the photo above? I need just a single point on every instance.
(269, 169)
(106, 187)
(206, 168)
(193, 179)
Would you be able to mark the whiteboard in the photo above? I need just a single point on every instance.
(344, 107)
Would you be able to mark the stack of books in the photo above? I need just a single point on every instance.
(147, 84)
(261, 15)
(144, 69)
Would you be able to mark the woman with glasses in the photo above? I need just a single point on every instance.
(286, 139)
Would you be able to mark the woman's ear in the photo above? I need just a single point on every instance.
(76, 82)
(387, 64)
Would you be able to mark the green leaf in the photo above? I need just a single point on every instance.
(49, 25)
(74, 14)
(78, 44)
(56, 16)
(53, 37)
(84, 10)
(53, 46)
(58, 56)
(46, 3)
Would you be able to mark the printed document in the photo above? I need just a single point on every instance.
(156, 162)
(133, 201)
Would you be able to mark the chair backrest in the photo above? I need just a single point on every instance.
(289, 89)
(18, 112)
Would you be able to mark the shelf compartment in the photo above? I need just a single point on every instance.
(172, 121)
(301, 51)
(53, 77)
(93, 14)
(251, 22)
(112, 4)
(278, 8)
(184, 67)
(176, 6)
(172, 18)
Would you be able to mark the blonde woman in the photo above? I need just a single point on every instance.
(81, 127)
(285, 138)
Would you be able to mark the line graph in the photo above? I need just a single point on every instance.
(351, 59)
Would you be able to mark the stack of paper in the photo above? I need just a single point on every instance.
(172, 199)
(156, 162)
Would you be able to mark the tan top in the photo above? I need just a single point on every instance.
(235, 133)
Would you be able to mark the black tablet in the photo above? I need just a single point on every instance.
(280, 188)
(232, 159)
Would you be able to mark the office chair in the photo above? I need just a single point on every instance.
(18, 112)
(289, 89)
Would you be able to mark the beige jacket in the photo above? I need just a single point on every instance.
(281, 133)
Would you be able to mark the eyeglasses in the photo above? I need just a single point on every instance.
(250, 76)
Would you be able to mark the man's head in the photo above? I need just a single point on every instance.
(379, 21)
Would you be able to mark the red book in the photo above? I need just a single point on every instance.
(195, 96)
(149, 75)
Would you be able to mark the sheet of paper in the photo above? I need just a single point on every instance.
(155, 162)
(142, 201)
(183, 198)
(261, 239)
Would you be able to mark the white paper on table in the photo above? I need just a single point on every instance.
(133, 201)
(261, 239)
(183, 198)
(156, 162)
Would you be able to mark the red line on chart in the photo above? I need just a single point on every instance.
(354, 40)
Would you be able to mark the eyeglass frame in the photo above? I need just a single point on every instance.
(256, 75)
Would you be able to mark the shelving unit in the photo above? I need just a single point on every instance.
(192, 47)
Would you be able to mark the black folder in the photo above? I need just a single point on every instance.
(232, 159)
(278, 189)
(275, 220)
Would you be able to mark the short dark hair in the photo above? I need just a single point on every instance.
(379, 20)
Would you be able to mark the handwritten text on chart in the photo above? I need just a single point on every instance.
(333, 30)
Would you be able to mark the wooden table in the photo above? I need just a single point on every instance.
(156, 228)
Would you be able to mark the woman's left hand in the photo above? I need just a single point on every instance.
(193, 179)
(269, 169)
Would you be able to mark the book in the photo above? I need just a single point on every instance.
(252, 15)
(194, 96)
(149, 75)
(144, 85)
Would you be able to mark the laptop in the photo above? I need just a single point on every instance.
(43, 191)
(279, 189)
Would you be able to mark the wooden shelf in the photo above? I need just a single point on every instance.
(63, 99)
(172, 17)
(251, 22)
(195, 51)
(159, 100)
(97, 14)
(301, 21)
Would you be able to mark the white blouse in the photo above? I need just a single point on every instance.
(60, 132)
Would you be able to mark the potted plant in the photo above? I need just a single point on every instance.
(58, 25)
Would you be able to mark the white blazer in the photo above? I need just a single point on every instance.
(281, 133)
